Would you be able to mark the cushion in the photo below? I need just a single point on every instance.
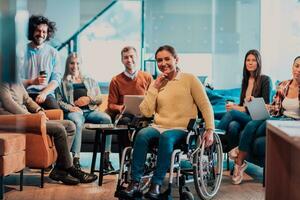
(13, 162)
(11, 143)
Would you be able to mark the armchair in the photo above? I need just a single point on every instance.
(40, 149)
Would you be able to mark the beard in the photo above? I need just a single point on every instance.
(38, 41)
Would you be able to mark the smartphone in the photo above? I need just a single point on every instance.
(229, 102)
(43, 73)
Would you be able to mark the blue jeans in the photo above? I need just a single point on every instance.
(233, 122)
(249, 134)
(89, 116)
(254, 129)
(166, 142)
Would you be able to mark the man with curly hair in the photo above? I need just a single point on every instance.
(41, 73)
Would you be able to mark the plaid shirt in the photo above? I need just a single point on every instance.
(276, 108)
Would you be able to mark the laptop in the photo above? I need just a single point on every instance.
(107, 126)
(257, 109)
(132, 103)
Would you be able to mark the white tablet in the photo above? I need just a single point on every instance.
(257, 109)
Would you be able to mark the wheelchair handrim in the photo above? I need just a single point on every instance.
(198, 170)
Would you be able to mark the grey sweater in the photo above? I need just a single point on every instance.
(14, 99)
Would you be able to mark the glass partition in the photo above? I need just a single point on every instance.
(210, 36)
(101, 43)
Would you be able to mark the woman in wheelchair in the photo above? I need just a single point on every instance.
(173, 99)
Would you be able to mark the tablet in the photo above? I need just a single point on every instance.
(257, 109)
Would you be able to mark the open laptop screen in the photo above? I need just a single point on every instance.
(132, 103)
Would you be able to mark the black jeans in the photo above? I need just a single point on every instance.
(49, 103)
(59, 130)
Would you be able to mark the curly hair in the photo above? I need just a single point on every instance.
(36, 20)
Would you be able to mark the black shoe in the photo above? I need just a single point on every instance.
(48, 169)
(76, 163)
(154, 192)
(131, 191)
(107, 166)
(63, 176)
(82, 176)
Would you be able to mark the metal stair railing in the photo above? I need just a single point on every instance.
(72, 42)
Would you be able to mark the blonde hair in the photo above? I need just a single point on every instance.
(68, 61)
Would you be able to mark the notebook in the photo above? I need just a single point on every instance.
(257, 109)
(132, 103)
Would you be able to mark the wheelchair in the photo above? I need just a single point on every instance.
(203, 166)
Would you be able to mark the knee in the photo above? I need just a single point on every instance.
(234, 128)
(106, 119)
(69, 126)
(142, 137)
(62, 130)
(166, 141)
(78, 120)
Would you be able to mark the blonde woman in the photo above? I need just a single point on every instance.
(79, 96)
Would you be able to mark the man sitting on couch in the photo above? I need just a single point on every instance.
(14, 99)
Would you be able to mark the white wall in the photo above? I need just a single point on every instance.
(280, 36)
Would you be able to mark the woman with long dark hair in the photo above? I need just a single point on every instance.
(286, 104)
(254, 84)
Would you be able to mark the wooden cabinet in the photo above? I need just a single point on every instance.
(283, 160)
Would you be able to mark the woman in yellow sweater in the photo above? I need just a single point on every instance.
(173, 99)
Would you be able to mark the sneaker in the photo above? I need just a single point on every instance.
(63, 176)
(233, 153)
(82, 176)
(238, 173)
(76, 163)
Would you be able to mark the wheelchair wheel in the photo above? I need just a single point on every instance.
(187, 196)
(208, 169)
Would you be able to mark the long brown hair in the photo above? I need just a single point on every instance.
(68, 61)
(246, 75)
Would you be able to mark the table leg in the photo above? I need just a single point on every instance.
(95, 150)
(120, 146)
(103, 140)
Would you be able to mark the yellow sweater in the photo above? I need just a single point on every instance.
(176, 103)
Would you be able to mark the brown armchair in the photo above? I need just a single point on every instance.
(40, 149)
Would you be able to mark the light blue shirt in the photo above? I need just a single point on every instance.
(35, 60)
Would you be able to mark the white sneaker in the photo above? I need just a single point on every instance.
(233, 153)
(238, 173)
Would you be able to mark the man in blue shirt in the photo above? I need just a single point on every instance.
(41, 73)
